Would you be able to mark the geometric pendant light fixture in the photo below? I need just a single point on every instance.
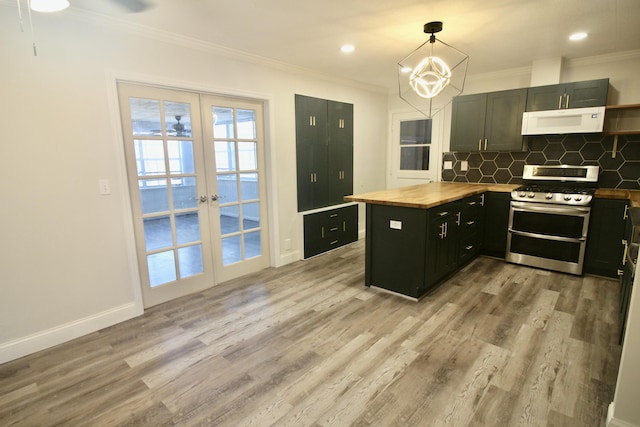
(433, 69)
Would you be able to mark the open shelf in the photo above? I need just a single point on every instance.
(622, 119)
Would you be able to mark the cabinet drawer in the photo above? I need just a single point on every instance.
(330, 229)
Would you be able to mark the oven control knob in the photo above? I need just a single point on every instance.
(577, 198)
(548, 196)
(567, 197)
(522, 194)
(531, 195)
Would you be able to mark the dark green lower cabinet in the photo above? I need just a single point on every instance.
(395, 253)
(604, 250)
(496, 224)
(411, 250)
(327, 230)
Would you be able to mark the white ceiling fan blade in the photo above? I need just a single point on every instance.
(133, 5)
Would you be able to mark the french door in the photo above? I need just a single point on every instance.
(195, 164)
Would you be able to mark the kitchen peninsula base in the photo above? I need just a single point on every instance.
(417, 236)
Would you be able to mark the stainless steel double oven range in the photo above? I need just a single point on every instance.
(549, 217)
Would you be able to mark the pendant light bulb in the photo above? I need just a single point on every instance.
(49, 5)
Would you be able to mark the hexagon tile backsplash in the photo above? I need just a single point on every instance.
(621, 171)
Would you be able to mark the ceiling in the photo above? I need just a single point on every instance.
(496, 34)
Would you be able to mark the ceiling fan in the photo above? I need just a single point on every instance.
(133, 5)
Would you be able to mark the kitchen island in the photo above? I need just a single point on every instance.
(418, 235)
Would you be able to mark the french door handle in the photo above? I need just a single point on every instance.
(215, 197)
(203, 199)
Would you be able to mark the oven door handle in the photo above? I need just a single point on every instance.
(548, 208)
(548, 236)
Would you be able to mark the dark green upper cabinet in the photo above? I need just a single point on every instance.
(590, 93)
(488, 121)
(324, 152)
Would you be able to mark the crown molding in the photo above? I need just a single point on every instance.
(193, 43)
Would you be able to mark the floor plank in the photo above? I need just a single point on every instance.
(308, 344)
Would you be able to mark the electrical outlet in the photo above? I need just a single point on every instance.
(448, 164)
(464, 166)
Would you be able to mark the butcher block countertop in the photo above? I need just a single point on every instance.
(633, 195)
(437, 193)
(426, 196)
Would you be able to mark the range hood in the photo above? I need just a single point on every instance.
(570, 120)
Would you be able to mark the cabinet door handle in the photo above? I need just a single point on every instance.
(459, 214)
(334, 242)
(482, 200)
(567, 103)
(625, 215)
(471, 203)
(344, 225)
(560, 102)
(479, 144)
(333, 215)
(323, 232)
(470, 222)
(443, 213)
(485, 144)
(446, 228)
(334, 229)
(469, 247)
(626, 250)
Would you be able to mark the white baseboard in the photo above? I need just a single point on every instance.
(288, 258)
(614, 422)
(29, 344)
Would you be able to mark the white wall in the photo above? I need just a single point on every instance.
(67, 259)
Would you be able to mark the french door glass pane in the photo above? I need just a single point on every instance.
(225, 156)
(228, 188)
(180, 157)
(187, 228)
(145, 116)
(190, 261)
(246, 124)
(231, 250)
(177, 119)
(157, 232)
(229, 219)
(223, 123)
(184, 193)
(162, 268)
(149, 157)
(248, 156)
(250, 215)
(154, 196)
(252, 245)
(249, 186)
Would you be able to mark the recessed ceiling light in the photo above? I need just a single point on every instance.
(49, 5)
(348, 48)
(578, 36)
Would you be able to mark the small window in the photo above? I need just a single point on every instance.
(415, 144)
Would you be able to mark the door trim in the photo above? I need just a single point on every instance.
(120, 182)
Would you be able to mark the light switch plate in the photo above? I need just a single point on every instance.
(464, 166)
(448, 164)
(105, 187)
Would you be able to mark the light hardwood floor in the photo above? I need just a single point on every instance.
(309, 345)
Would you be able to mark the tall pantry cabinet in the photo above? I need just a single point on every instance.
(324, 157)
